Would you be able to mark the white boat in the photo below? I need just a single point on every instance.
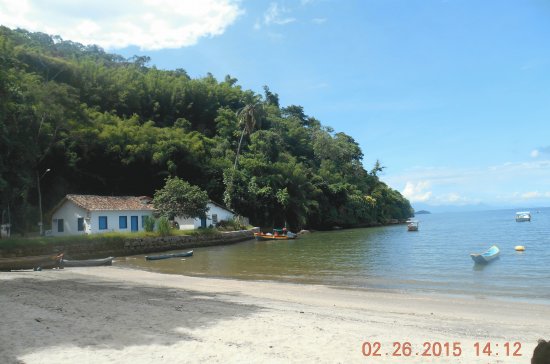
(412, 225)
(523, 216)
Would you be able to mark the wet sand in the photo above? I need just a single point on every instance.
(117, 315)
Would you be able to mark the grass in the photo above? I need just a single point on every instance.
(111, 238)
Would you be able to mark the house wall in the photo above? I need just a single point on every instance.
(113, 220)
(222, 214)
(195, 223)
(70, 213)
(186, 224)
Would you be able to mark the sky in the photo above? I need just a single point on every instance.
(452, 96)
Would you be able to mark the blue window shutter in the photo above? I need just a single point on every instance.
(102, 222)
(122, 222)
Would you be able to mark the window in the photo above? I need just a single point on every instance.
(123, 222)
(103, 223)
(80, 223)
(60, 226)
(214, 219)
(143, 218)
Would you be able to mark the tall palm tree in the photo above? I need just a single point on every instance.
(248, 116)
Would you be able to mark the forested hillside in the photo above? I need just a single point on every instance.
(108, 125)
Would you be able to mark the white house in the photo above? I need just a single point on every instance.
(90, 214)
(215, 214)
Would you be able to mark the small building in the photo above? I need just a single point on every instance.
(91, 214)
(214, 215)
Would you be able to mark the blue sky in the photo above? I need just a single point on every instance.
(453, 97)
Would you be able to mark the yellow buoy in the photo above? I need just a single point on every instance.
(519, 248)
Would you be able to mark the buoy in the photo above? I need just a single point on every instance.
(519, 248)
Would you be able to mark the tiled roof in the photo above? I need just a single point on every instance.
(116, 203)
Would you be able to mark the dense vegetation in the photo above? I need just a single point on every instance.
(108, 125)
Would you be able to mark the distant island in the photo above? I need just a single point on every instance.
(422, 212)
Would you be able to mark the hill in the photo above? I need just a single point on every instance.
(108, 125)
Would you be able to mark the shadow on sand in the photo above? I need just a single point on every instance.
(63, 312)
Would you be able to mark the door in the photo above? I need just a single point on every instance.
(134, 223)
(203, 222)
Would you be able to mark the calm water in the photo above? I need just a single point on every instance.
(434, 259)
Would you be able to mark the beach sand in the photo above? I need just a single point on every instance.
(118, 315)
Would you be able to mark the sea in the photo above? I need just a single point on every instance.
(434, 260)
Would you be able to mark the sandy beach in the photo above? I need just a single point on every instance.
(117, 315)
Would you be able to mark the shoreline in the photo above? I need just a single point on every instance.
(121, 315)
(375, 284)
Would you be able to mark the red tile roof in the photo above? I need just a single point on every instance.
(115, 203)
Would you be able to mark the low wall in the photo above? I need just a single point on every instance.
(133, 246)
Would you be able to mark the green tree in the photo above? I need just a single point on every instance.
(109, 125)
(179, 198)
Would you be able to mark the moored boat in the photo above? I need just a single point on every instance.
(523, 216)
(32, 262)
(271, 237)
(412, 225)
(483, 258)
(168, 256)
(87, 262)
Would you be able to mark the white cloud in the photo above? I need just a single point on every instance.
(318, 20)
(148, 24)
(453, 198)
(505, 184)
(416, 192)
(534, 195)
(535, 153)
(275, 14)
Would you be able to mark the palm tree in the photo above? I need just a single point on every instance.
(248, 116)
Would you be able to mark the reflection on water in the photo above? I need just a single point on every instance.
(434, 259)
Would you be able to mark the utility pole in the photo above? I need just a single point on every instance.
(38, 178)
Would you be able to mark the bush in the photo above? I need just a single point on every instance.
(163, 226)
(149, 223)
(231, 224)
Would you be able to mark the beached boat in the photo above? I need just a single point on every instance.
(168, 256)
(87, 263)
(32, 262)
(483, 258)
(412, 225)
(523, 216)
(272, 237)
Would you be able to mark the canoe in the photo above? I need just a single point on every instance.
(486, 257)
(87, 263)
(32, 262)
(167, 256)
(266, 237)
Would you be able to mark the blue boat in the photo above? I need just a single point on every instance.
(484, 258)
(167, 256)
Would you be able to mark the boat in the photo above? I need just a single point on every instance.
(37, 262)
(523, 216)
(87, 263)
(483, 258)
(412, 225)
(168, 256)
(272, 237)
